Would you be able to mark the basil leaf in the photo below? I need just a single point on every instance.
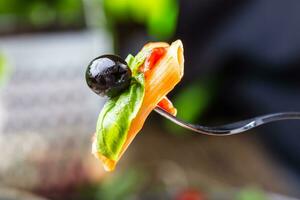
(135, 62)
(117, 114)
(129, 60)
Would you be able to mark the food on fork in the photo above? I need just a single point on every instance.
(134, 88)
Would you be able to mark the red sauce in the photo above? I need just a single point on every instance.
(150, 62)
(155, 56)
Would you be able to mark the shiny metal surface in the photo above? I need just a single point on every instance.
(232, 128)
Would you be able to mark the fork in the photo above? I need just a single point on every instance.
(232, 128)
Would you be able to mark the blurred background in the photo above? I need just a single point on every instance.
(242, 59)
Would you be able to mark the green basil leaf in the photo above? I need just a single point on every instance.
(117, 114)
(138, 60)
(129, 60)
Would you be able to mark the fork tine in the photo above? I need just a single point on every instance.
(232, 128)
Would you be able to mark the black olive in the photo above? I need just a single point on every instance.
(108, 75)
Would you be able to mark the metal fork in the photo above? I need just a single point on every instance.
(232, 128)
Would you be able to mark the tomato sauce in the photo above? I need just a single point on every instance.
(152, 59)
(150, 62)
